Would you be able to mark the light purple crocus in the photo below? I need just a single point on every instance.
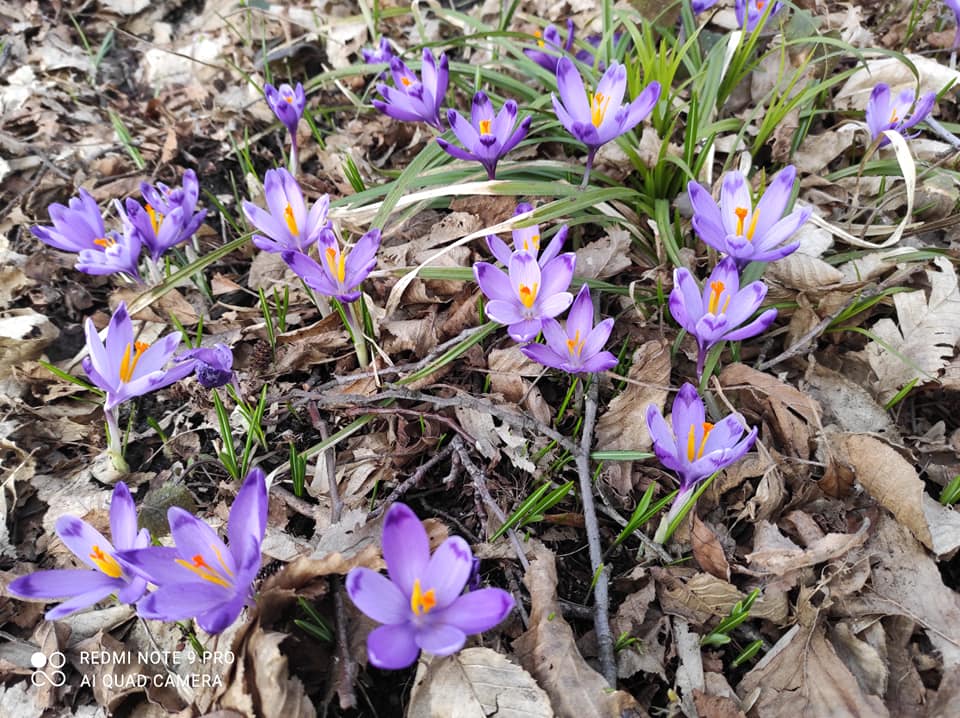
(698, 6)
(550, 47)
(578, 348)
(720, 311)
(287, 224)
(164, 199)
(422, 604)
(159, 232)
(383, 52)
(694, 447)
(750, 12)
(527, 239)
(340, 272)
(213, 365)
(736, 227)
(527, 295)
(114, 253)
(884, 112)
(287, 104)
(488, 136)
(201, 577)
(106, 575)
(76, 227)
(413, 100)
(598, 118)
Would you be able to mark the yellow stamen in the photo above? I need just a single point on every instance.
(484, 127)
(598, 108)
(753, 224)
(528, 295)
(707, 428)
(535, 239)
(338, 265)
(693, 451)
(155, 218)
(422, 602)
(741, 213)
(105, 242)
(575, 345)
(405, 81)
(105, 562)
(538, 35)
(291, 221)
(716, 289)
(691, 443)
(127, 367)
(202, 569)
(893, 116)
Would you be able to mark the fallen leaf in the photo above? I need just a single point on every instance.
(776, 554)
(707, 550)
(606, 257)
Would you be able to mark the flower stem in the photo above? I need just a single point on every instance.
(353, 315)
(294, 156)
(115, 440)
(586, 172)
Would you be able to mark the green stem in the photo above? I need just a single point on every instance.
(353, 316)
(115, 440)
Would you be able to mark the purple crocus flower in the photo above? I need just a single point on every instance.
(413, 100)
(159, 232)
(422, 604)
(75, 227)
(488, 136)
(381, 53)
(900, 114)
(550, 47)
(692, 446)
(340, 272)
(750, 12)
(213, 365)
(527, 296)
(201, 577)
(720, 311)
(115, 252)
(125, 368)
(579, 347)
(698, 6)
(287, 104)
(106, 574)
(287, 225)
(746, 233)
(527, 239)
(163, 199)
(599, 118)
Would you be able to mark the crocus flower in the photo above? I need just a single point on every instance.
(75, 227)
(527, 296)
(213, 365)
(381, 53)
(579, 347)
(698, 6)
(106, 575)
(900, 114)
(340, 272)
(589, 57)
(125, 368)
(527, 239)
(201, 577)
(163, 199)
(159, 232)
(115, 252)
(287, 104)
(750, 12)
(550, 47)
(746, 233)
(413, 100)
(694, 447)
(599, 118)
(488, 136)
(720, 311)
(422, 604)
(287, 225)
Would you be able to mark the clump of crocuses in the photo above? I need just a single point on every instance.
(720, 311)
(125, 368)
(413, 99)
(422, 604)
(288, 104)
(286, 224)
(693, 447)
(600, 117)
(746, 232)
(488, 136)
(107, 573)
(900, 113)
(200, 576)
(169, 217)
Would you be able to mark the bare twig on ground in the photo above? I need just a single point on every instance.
(415, 478)
(601, 588)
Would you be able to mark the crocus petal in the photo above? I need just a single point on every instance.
(392, 647)
(783, 229)
(556, 244)
(555, 335)
(555, 304)
(406, 548)
(525, 330)
(601, 361)
(612, 86)
(565, 118)
(572, 92)
(757, 326)
(745, 303)
(119, 337)
(725, 433)
(921, 110)
(465, 131)
(157, 564)
(123, 517)
(179, 601)
(440, 639)
(493, 283)
(660, 433)
(641, 107)
(81, 538)
(156, 356)
(61, 583)
(598, 337)
(195, 538)
(74, 604)
(377, 596)
(772, 205)
(580, 318)
(504, 312)
(222, 616)
(311, 272)
(448, 570)
(557, 274)
(499, 249)
(687, 411)
(544, 355)
(248, 519)
(734, 195)
(106, 367)
(132, 591)
(455, 151)
(477, 611)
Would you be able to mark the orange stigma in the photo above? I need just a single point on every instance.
(127, 367)
(716, 291)
(198, 565)
(485, 127)
(693, 451)
(528, 295)
(291, 221)
(105, 242)
(105, 562)
(741, 213)
(575, 345)
(155, 219)
(405, 81)
(421, 602)
(538, 35)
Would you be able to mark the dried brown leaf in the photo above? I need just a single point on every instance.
(707, 550)
(775, 553)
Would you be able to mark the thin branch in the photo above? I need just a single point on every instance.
(415, 478)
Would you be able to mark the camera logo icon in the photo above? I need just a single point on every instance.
(52, 675)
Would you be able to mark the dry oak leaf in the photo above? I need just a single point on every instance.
(548, 651)
(775, 553)
(892, 480)
(475, 683)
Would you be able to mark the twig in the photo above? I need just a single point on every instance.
(601, 589)
(415, 478)
(304, 508)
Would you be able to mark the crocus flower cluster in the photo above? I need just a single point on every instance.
(412, 99)
(169, 217)
(107, 573)
(288, 104)
(900, 113)
(694, 447)
(422, 604)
